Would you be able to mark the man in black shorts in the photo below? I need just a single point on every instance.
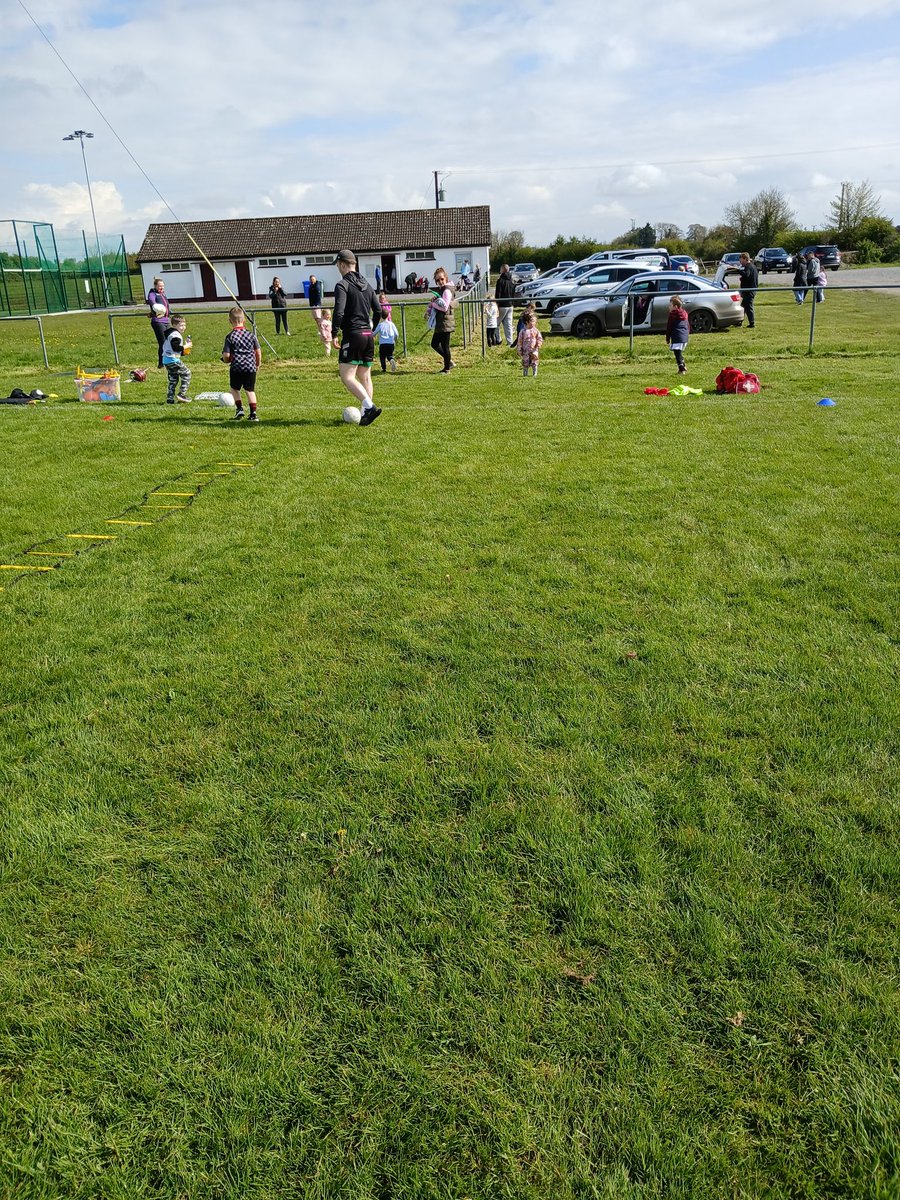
(357, 311)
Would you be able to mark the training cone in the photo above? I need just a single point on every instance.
(825, 402)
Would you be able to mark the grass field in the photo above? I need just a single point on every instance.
(499, 801)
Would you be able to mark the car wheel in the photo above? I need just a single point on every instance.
(702, 321)
(586, 325)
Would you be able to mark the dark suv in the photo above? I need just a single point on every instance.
(828, 256)
(773, 258)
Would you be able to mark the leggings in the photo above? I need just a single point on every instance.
(385, 353)
(440, 343)
(160, 331)
(280, 319)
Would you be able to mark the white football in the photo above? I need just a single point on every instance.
(159, 310)
(223, 399)
(352, 415)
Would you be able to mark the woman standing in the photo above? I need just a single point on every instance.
(159, 316)
(279, 306)
(441, 318)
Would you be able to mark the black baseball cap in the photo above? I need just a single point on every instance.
(345, 256)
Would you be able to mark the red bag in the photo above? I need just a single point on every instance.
(731, 379)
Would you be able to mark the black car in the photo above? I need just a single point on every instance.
(772, 258)
(828, 256)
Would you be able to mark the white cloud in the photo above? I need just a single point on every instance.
(529, 91)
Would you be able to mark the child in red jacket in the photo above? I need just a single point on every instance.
(677, 332)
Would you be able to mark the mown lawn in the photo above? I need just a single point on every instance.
(500, 801)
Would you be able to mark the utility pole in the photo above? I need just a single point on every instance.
(78, 136)
(437, 191)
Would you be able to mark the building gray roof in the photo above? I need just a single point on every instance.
(368, 232)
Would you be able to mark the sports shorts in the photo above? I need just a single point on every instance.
(240, 379)
(358, 349)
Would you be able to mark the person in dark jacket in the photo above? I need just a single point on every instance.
(678, 330)
(356, 313)
(279, 306)
(315, 297)
(504, 290)
(799, 278)
(749, 282)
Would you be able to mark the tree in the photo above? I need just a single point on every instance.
(506, 244)
(667, 232)
(856, 202)
(645, 236)
(757, 221)
(696, 233)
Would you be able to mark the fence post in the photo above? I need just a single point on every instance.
(463, 322)
(483, 348)
(812, 321)
(403, 329)
(112, 334)
(43, 343)
(630, 323)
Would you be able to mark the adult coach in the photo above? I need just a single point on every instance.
(159, 316)
(356, 313)
(504, 290)
(315, 297)
(749, 282)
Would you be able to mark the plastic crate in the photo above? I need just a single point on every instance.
(98, 387)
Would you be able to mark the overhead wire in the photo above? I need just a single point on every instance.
(103, 117)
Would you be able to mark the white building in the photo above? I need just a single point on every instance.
(249, 253)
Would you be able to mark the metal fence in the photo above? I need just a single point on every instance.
(471, 327)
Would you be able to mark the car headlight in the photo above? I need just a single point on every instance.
(561, 311)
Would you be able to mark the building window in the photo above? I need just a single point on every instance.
(296, 262)
(420, 256)
(273, 262)
(319, 260)
(175, 267)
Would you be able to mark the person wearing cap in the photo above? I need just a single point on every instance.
(355, 315)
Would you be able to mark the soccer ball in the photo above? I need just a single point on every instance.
(352, 415)
(159, 310)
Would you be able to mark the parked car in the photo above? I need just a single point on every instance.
(657, 257)
(828, 256)
(773, 258)
(524, 272)
(691, 266)
(709, 307)
(600, 279)
(526, 290)
(566, 262)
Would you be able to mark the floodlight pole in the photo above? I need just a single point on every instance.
(79, 135)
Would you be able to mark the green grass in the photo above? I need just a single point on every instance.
(496, 802)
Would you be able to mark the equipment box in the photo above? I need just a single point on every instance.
(98, 387)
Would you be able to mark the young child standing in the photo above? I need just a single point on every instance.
(387, 333)
(678, 329)
(175, 345)
(492, 322)
(529, 345)
(383, 301)
(325, 334)
(528, 311)
(241, 351)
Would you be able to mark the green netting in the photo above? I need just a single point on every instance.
(40, 273)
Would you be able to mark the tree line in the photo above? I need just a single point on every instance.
(854, 222)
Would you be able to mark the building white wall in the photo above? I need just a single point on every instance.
(188, 285)
(180, 285)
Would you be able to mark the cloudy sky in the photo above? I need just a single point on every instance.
(566, 116)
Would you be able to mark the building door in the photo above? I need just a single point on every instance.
(207, 281)
(389, 272)
(244, 286)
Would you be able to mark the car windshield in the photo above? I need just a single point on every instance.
(524, 267)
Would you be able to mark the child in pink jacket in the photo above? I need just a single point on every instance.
(529, 345)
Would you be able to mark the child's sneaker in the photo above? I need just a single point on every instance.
(239, 415)
(253, 416)
(184, 399)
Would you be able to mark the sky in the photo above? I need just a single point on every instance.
(578, 117)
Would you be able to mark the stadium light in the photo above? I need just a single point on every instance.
(78, 136)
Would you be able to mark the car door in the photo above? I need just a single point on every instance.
(641, 293)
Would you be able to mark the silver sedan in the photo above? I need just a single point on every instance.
(647, 297)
